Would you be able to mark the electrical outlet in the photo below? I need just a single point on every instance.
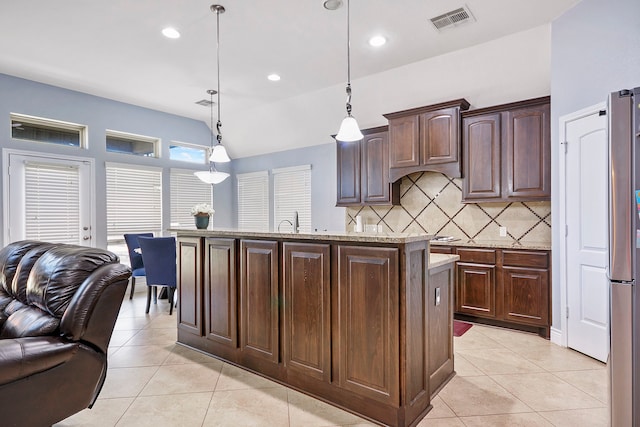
(503, 231)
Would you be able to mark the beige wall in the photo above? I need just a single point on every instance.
(432, 202)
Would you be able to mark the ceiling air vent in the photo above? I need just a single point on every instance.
(453, 18)
(204, 102)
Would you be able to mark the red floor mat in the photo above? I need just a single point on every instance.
(459, 328)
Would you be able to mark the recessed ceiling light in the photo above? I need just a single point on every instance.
(332, 4)
(273, 77)
(377, 41)
(170, 33)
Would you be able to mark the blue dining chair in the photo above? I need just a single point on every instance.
(159, 257)
(135, 258)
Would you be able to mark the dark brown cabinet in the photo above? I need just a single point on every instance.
(425, 139)
(368, 322)
(220, 292)
(189, 285)
(476, 286)
(307, 309)
(507, 152)
(507, 287)
(362, 324)
(526, 287)
(440, 309)
(363, 171)
(259, 300)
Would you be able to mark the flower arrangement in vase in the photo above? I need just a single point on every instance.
(202, 212)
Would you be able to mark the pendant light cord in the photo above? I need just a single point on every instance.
(348, 62)
(219, 123)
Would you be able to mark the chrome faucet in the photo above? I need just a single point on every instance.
(296, 222)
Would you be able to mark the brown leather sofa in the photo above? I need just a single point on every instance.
(58, 307)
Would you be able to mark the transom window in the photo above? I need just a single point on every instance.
(191, 153)
(128, 143)
(50, 131)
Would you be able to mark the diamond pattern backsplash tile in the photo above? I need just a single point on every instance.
(431, 202)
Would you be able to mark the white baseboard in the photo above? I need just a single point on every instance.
(556, 336)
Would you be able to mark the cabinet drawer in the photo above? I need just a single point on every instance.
(482, 256)
(441, 249)
(525, 259)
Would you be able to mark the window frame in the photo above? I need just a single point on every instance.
(51, 123)
(154, 141)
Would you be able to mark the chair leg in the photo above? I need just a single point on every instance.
(170, 293)
(148, 298)
(133, 286)
(155, 294)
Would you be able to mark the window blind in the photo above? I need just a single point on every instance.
(292, 192)
(134, 200)
(253, 201)
(52, 203)
(186, 192)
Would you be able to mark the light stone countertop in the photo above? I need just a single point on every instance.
(498, 244)
(436, 260)
(320, 236)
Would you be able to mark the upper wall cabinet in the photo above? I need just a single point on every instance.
(425, 139)
(363, 171)
(507, 152)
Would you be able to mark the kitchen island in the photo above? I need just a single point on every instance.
(357, 320)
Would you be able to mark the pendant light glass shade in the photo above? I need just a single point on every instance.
(212, 176)
(349, 130)
(219, 154)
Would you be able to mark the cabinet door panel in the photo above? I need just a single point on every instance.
(476, 287)
(526, 295)
(405, 149)
(368, 322)
(259, 299)
(190, 285)
(348, 158)
(528, 153)
(375, 168)
(439, 136)
(440, 312)
(307, 311)
(481, 147)
(220, 291)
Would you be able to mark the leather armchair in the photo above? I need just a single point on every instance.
(58, 307)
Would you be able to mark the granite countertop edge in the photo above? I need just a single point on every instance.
(319, 236)
(495, 244)
(437, 260)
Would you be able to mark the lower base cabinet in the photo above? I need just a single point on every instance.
(307, 310)
(365, 327)
(503, 287)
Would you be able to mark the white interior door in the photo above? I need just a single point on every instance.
(48, 199)
(586, 241)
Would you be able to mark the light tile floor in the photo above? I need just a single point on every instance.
(504, 378)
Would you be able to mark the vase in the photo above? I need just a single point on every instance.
(202, 221)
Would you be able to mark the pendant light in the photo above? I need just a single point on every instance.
(213, 176)
(218, 152)
(349, 130)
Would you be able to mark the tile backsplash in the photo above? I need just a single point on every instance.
(431, 202)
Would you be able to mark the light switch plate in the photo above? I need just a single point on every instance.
(437, 296)
(503, 231)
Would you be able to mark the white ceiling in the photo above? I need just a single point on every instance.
(114, 49)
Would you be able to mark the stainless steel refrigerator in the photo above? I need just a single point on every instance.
(624, 220)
